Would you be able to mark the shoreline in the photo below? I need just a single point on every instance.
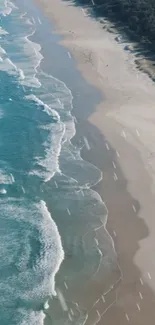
(86, 61)
(97, 288)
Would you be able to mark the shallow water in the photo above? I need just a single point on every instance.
(48, 210)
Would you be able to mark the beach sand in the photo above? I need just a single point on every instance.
(123, 124)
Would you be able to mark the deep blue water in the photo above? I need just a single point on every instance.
(47, 206)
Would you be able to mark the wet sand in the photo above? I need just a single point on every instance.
(123, 127)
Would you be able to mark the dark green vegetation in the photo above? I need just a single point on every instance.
(138, 16)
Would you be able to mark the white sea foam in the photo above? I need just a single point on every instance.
(32, 51)
(23, 15)
(3, 191)
(3, 31)
(11, 4)
(31, 58)
(39, 279)
(21, 74)
(2, 50)
(70, 128)
(63, 96)
(26, 68)
(7, 9)
(5, 178)
(46, 305)
(7, 12)
(48, 227)
(52, 149)
(11, 68)
(28, 21)
(50, 232)
(46, 108)
(11, 63)
(31, 317)
(25, 221)
(59, 91)
(52, 145)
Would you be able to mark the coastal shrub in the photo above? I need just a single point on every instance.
(137, 15)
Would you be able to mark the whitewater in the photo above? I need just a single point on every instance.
(49, 215)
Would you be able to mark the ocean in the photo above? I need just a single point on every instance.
(53, 258)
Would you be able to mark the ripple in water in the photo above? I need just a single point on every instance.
(41, 171)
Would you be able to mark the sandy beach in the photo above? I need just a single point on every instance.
(125, 124)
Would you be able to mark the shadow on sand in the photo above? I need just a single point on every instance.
(140, 46)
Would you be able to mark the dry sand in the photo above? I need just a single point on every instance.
(126, 118)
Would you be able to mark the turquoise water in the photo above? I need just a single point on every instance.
(48, 211)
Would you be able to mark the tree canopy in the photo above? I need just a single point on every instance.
(137, 15)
